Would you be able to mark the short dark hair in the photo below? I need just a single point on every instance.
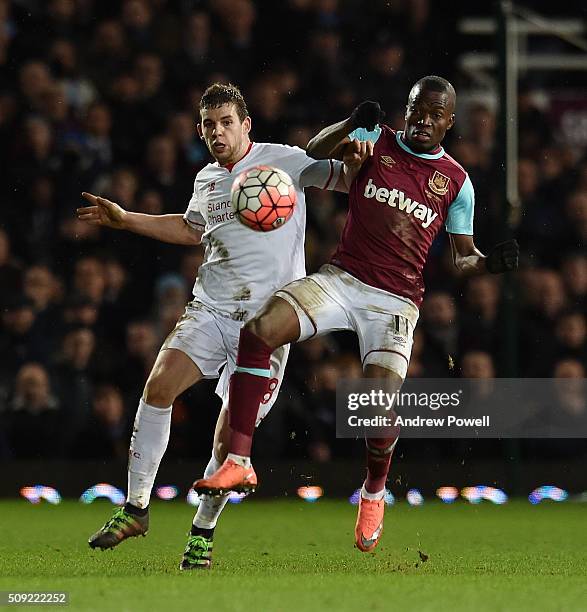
(219, 94)
(436, 83)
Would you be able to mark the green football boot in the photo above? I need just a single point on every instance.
(197, 554)
(121, 526)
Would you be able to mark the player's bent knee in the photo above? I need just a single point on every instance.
(277, 324)
(159, 392)
(261, 328)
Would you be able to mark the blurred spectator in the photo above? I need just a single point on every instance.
(237, 46)
(35, 418)
(547, 300)
(192, 151)
(10, 269)
(481, 131)
(161, 173)
(65, 64)
(574, 273)
(195, 56)
(73, 379)
(108, 53)
(477, 364)
(479, 324)
(441, 332)
(576, 212)
(142, 346)
(21, 340)
(137, 17)
(34, 80)
(107, 435)
(386, 78)
(571, 336)
(97, 146)
(89, 279)
(43, 289)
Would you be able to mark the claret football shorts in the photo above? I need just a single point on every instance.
(333, 300)
(210, 340)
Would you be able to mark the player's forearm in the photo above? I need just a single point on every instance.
(326, 143)
(166, 228)
(471, 264)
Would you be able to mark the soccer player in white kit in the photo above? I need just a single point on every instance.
(241, 269)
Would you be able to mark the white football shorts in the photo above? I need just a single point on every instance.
(210, 340)
(333, 300)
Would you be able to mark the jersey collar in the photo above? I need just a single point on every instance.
(229, 167)
(404, 146)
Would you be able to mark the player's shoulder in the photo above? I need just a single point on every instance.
(278, 150)
(448, 166)
(454, 164)
(209, 170)
(206, 174)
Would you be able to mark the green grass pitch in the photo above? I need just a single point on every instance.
(293, 555)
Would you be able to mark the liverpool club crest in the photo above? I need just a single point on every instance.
(438, 183)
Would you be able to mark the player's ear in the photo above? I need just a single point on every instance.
(247, 125)
(199, 129)
(406, 113)
(451, 121)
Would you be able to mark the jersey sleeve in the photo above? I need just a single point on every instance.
(193, 217)
(304, 170)
(461, 211)
(323, 174)
(363, 134)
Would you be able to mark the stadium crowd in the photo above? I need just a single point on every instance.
(102, 97)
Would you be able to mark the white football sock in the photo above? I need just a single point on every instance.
(240, 460)
(147, 446)
(210, 507)
(372, 496)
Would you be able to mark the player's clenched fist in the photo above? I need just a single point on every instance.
(503, 257)
(356, 152)
(102, 212)
(367, 115)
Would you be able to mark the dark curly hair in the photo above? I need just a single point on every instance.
(218, 94)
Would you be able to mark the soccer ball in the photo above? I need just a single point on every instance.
(263, 198)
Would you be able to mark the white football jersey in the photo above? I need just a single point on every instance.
(242, 267)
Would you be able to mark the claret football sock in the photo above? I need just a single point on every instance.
(379, 452)
(147, 447)
(248, 385)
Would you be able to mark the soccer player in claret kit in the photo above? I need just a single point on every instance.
(241, 269)
(405, 189)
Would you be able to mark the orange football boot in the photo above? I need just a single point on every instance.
(369, 526)
(229, 477)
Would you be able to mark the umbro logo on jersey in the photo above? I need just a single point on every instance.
(386, 160)
(397, 198)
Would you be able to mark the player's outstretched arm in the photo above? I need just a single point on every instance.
(166, 228)
(503, 257)
(331, 141)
